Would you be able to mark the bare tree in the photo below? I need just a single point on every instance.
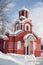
(3, 16)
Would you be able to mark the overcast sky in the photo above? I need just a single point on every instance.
(36, 12)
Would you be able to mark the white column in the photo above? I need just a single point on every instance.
(29, 47)
(26, 44)
(4, 45)
(19, 45)
(34, 46)
(25, 50)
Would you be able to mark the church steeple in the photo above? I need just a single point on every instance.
(24, 21)
(23, 12)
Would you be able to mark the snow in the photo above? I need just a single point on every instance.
(16, 59)
(12, 32)
(25, 20)
(18, 20)
(6, 60)
(41, 63)
(3, 37)
(27, 35)
(16, 32)
(22, 17)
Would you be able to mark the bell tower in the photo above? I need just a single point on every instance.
(24, 12)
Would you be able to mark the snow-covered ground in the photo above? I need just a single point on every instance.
(16, 59)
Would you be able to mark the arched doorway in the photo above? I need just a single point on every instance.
(29, 44)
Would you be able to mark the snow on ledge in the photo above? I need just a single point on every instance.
(16, 32)
(22, 17)
(25, 20)
(3, 37)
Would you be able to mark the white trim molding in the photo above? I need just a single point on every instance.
(28, 27)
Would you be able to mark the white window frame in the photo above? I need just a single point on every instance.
(22, 26)
(19, 45)
(17, 26)
(28, 27)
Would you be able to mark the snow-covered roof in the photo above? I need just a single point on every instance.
(24, 8)
(27, 35)
(16, 32)
(3, 37)
(25, 20)
(22, 17)
(12, 32)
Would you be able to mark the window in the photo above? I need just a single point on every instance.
(26, 13)
(17, 27)
(41, 47)
(27, 47)
(21, 27)
(27, 27)
(22, 13)
(19, 45)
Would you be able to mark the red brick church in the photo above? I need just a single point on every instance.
(22, 40)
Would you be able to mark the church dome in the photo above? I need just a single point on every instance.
(24, 8)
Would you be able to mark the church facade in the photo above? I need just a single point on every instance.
(22, 40)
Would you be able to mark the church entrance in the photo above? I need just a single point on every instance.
(26, 50)
(28, 45)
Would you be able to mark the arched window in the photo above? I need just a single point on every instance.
(22, 13)
(17, 27)
(19, 45)
(27, 27)
(21, 27)
(26, 14)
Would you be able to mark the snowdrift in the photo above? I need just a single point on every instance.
(16, 59)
